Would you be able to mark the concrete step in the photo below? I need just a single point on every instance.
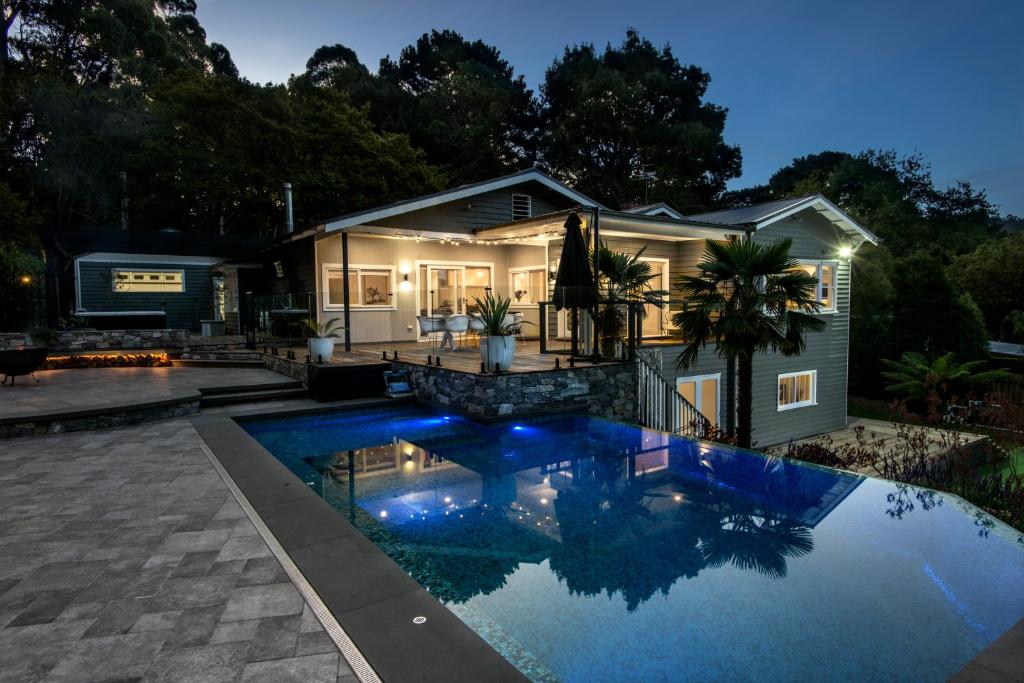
(248, 388)
(225, 399)
(214, 363)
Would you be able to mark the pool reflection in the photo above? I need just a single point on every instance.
(612, 511)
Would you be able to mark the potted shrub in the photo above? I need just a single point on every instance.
(499, 344)
(321, 338)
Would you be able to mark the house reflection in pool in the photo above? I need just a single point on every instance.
(616, 512)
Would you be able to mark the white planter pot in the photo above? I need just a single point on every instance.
(320, 348)
(498, 349)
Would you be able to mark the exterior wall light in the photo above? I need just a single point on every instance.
(845, 251)
(25, 279)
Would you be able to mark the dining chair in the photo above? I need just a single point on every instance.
(427, 328)
(476, 327)
(457, 324)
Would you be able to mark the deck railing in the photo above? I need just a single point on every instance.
(662, 407)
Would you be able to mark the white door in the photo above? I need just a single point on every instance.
(704, 392)
(446, 290)
(655, 321)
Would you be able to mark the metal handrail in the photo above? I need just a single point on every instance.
(662, 407)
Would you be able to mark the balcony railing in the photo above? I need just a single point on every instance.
(662, 407)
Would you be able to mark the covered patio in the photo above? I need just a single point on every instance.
(382, 281)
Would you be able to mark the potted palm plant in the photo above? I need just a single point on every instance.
(321, 338)
(499, 344)
(622, 279)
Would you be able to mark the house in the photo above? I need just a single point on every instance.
(438, 253)
(117, 279)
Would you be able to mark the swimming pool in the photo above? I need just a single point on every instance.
(587, 550)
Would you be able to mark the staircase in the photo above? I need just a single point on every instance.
(251, 393)
(663, 408)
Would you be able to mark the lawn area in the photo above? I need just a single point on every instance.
(1012, 465)
(868, 408)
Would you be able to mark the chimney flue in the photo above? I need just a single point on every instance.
(289, 220)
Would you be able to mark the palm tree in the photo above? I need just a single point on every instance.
(749, 298)
(915, 377)
(622, 279)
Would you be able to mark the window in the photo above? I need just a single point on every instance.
(368, 286)
(798, 389)
(133, 281)
(825, 273)
(527, 285)
(521, 206)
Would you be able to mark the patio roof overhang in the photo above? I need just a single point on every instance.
(611, 224)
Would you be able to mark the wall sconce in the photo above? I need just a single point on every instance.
(405, 285)
(553, 270)
(845, 251)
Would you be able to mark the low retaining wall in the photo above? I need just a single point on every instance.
(292, 368)
(607, 391)
(96, 340)
(98, 418)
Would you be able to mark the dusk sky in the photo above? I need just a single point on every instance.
(942, 78)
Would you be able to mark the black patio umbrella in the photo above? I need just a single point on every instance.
(575, 287)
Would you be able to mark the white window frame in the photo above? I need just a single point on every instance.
(161, 271)
(511, 284)
(818, 263)
(355, 298)
(697, 380)
(813, 401)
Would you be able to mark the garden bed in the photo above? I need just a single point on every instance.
(154, 359)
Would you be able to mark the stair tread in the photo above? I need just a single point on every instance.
(250, 388)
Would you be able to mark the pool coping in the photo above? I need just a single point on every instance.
(370, 598)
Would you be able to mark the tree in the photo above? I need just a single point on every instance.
(749, 298)
(930, 314)
(460, 102)
(612, 117)
(915, 377)
(993, 274)
(871, 318)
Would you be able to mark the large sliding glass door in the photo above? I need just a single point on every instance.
(452, 288)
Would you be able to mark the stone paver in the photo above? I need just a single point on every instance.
(124, 556)
(67, 390)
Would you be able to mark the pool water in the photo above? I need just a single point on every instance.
(588, 550)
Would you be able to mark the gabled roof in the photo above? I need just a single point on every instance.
(659, 209)
(461, 192)
(166, 242)
(762, 215)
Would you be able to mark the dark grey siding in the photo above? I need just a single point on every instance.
(183, 309)
(826, 352)
(299, 262)
(480, 211)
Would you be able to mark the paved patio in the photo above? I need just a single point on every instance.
(69, 390)
(125, 557)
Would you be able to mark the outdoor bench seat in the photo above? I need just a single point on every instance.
(23, 361)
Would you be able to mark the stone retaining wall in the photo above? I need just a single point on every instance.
(116, 417)
(99, 340)
(608, 391)
(292, 368)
